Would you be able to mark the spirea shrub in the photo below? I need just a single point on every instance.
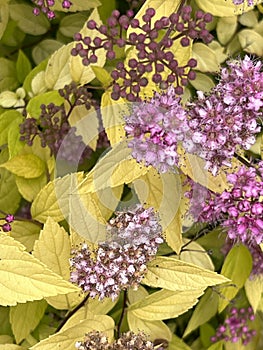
(131, 174)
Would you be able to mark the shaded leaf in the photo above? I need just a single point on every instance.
(4, 15)
(29, 188)
(8, 78)
(25, 232)
(23, 66)
(251, 41)
(44, 49)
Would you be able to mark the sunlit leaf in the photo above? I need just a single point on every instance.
(24, 278)
(254, 290)
(195, 254)
(206, 58)
(251, 41)
(226, 28)
(223, 8)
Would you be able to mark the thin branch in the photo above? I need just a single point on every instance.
(122, 314)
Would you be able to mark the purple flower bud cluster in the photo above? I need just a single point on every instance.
(44, 6)
(240, 209)
(121, 261)
(236, 327)
(52, 125)
(227, 119)
(156, 127)
(8, 219)
(153, 48)
(96, 340)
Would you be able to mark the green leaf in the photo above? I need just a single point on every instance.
(23, 66)
(29, 188)
(206, 332)
(8, 78)
(77, 5)
(12, 36)
(84, 74)
(28, 80)
(206, 58)
(177, 344)
(71, 24)
(226, 28)
(44, 49)
(4, 15)
(27, 165)
(4, 321)
(165, 304)
(237, 267)
(251, 41)
(6, 120)
(217, 346)
(223, 8)
(173, 274)
(53, 249)
(204, 311)
(14, 143)
(102, 75)
(33, 106)
(24, 278)
(25, 317)
(202, 82)
(249, 19)
(22, 14)
(53, 199)
(25, 232)
(66, 339)
(254, 290)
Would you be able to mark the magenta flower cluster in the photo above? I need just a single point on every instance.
(96, 340)
(249, 2)
(227, 119)
(156, 127)
(8, 219)
(121, 261)
(45, 6)
(240, 209)
(236, 327)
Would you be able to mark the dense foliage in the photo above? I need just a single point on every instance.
(131, 174)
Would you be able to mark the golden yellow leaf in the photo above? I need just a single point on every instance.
(28, 165)
(53, 249)
(24, 278)
(254, 290)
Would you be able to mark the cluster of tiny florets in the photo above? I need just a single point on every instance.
(45, 6)
(236, 327)
(228, 118)
(7, 220)
(249, 2)
(152, 54)
(121, 261)
(239, 209)
(96, 340)
(157, 126)
(53, 125)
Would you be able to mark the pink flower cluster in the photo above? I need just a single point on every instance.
(120, 262)
(156, 127)
(236, 327)
(227, 119)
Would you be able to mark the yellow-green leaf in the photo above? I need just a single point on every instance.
(29, 188)
(84, 74)
(114, 169)
(9, 195)
(4, 15)
(28, 166)
(226, 28)
(223, 8)
(237, 267)
(196, 254)
(53, 199)
(24, 278)
(6, 119)
(14, 143)
(26, 232)
(78, 5)
(57, 73)
(102, 75)
(165, 304)
(204, 311)
(112, 113)
(206, 58)
(249, 19)
(173, 274)
(163, 193)
(53, 249)
(202, 82)
(11, 347)
(154, 329)
(25, 317)
(66, 339)
(254, 290)
(178, 344)
(251, 41)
